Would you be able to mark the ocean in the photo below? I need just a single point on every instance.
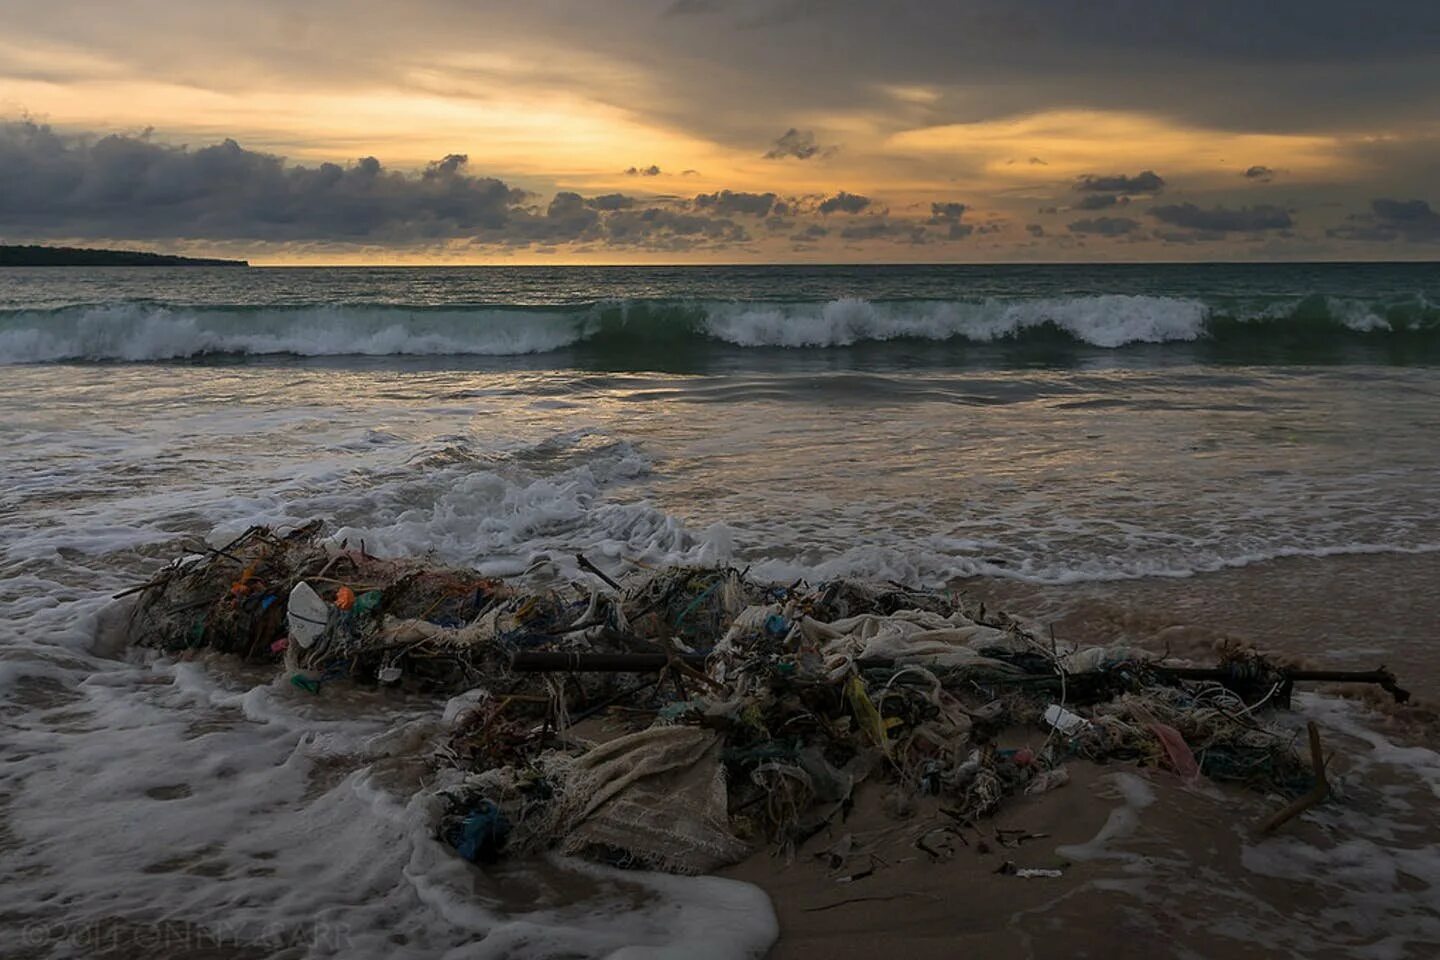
(1167, 455)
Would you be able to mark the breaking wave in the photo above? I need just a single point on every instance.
(146, 330)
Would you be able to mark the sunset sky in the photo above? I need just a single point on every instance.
(724, 130)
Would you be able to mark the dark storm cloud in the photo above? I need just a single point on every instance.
(1263, 216)
(120, 187)
(1390, 220)
(1104, 226)
(730, 203)
(844, 202)
(799, 144)
(1261, 173)
(1147, 181)
(650, 171)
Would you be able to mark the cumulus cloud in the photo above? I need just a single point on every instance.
(844, 202)
(134, 188)
(874, 228)
(611, 201)
(650, 171)
(731, 203)
(1389, 220)
(663, 228)
(1147, 181)
(1104, 226)
(1099, 201)
(799, 144)
(1259, 173)
(948, 215)
(947, 212)
(1219, 219)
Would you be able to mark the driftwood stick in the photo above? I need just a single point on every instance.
(544, 661)
(585, 564)
(1318, 793)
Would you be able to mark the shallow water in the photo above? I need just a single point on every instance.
(1166, 494)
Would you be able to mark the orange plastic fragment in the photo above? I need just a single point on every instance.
(345, 598)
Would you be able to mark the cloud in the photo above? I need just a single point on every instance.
(134, 188)
(1259, 173)
(1100, 201)
(730, 203)
(650, 171)
(666, 229)
(810, 234)
(882, 227)
(1035, 229)
(1189, 237)
(799, 144)
(1104, 226)
(947, 212)
(1147, 181)
(611, 201)
(844, 202)
(125, 186)
(1218, 219)
(1389, 220)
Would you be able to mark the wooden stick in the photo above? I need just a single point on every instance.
(1319, 792)
(585, 564)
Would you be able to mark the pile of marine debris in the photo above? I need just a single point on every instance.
(735, 712)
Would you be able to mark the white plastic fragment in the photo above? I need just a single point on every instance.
(1063, 720)
(307, 614)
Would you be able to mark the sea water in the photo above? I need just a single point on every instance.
(1187, 444)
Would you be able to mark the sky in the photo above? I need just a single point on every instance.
(678, 131)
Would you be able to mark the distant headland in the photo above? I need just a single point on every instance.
(37, 256)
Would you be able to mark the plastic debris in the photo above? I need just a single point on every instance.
(308, 615)
(1063, 720)
(738, 712)
(480, 836)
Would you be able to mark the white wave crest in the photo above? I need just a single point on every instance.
(146, 331)
(1103, 321)
(137, 331)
